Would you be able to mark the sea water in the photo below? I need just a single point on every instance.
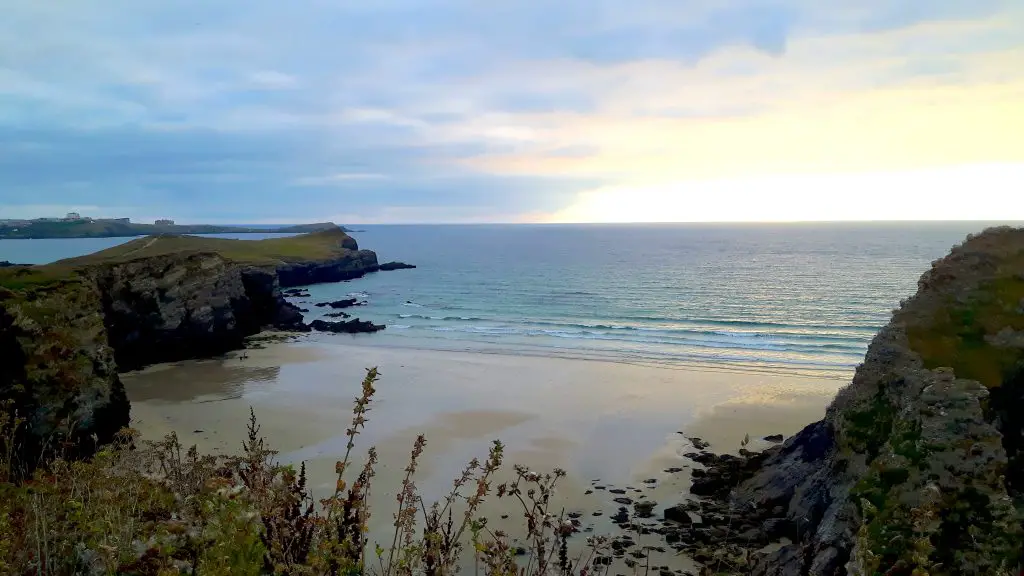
(790, 298)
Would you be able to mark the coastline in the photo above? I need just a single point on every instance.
(606, 423)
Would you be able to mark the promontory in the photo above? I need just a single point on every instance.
(68, 328)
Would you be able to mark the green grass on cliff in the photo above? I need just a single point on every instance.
(306, 247)
(959, 334)
(28, 277)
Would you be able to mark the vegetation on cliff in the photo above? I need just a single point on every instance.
(86, 228)
(57, 368)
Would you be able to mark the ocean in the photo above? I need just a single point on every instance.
(778, 298)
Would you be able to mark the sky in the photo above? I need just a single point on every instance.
(409, 111)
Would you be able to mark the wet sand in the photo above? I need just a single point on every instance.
(607, 424)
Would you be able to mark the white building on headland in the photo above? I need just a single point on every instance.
(164, 223)
(73, 216)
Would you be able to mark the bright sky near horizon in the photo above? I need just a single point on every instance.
(513, 110)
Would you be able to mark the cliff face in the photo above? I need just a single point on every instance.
(58, 369)
(354, 264)
(169, 308)
(917, 465)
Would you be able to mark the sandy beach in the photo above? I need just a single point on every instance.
(607, 424)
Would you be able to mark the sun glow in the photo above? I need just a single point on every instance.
(972, 192)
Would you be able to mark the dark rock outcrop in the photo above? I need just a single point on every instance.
(387, 266)
(353, 264)
(338, 304)
(169, 308)
(354, 326)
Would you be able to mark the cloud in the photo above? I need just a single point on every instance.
(336, 178)
(505, 110)
(273, 80)
(839, 103)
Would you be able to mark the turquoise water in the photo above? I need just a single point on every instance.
(778, 298)
(794, 298)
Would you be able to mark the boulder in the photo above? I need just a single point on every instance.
(387, 266)
(345, 303)
(645, 508)
(679, 515)
(354, 326)
(698, 443)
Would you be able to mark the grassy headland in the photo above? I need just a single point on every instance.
(315, 246)
(321, 245)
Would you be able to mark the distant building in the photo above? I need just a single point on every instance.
(164, 222)
(117, 220)
(73, 216)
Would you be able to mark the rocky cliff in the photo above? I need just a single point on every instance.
(168, 308)
(58, 370)
(352, 265)
(917, 467)
(66, 329)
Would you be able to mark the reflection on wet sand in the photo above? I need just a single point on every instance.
(725, 425)
(206, 381)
